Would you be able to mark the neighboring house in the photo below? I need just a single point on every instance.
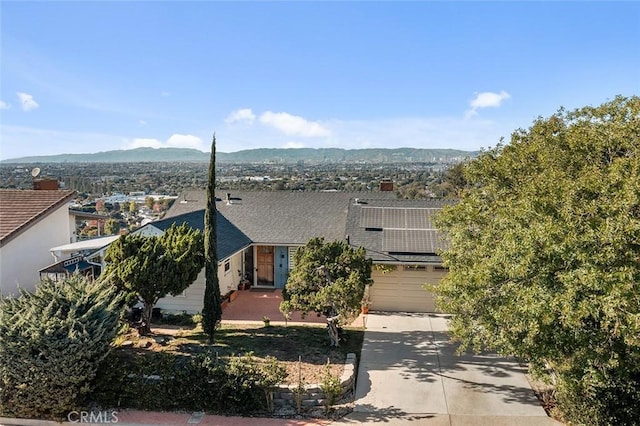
(31, 222)
(94, 219)
(398, 233)
(71, 258)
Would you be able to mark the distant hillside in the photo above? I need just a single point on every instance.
(262, 155)
(119, 156)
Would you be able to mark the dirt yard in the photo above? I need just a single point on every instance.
(304, 350)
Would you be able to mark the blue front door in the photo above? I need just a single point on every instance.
(281, 266)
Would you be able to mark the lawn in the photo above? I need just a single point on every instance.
(288, 344)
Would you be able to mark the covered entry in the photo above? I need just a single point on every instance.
(402, 290)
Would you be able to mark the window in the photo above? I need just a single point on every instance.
(227, 266)
(440, 269)
(415, 267)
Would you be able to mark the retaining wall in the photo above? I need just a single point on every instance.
(286, 396)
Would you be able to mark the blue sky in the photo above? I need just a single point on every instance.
(95, 76)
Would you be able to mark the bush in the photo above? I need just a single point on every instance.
(331, 387)
(239, 385)
(52, 343)
(182, 319)
(609, 401)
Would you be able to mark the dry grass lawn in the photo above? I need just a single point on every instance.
(288, 344)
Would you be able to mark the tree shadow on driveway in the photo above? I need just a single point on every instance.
(366, 413)
(429, 362)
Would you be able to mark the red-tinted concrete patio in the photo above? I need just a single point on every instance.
(255, 304)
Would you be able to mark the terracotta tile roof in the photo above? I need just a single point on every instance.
(19, 209)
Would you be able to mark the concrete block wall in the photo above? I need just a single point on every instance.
(313, 396)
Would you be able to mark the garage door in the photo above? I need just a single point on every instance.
(402, 290)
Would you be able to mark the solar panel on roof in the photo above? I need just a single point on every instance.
(393, 218)
(371, 217)
(418, 219)
(397, 218)
(411, 241)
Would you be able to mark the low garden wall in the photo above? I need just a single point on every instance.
(312, 396)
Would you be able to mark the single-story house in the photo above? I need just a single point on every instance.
(258, 232)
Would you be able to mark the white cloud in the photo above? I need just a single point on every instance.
(293, 125)
(241, 115)
(142, 122)
(4, 105)
(144, 143)
(175, 141)
(293, 144)
(185, 141)
(27, 101)
(165, 94)
(486, 100)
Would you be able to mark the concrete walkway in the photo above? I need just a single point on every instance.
(409, 374)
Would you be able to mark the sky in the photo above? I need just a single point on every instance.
(83, 77)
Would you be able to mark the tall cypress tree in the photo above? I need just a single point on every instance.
(212, 312)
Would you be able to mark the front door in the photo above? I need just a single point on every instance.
(265, 265)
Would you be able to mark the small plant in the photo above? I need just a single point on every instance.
(267, 321)
(197, 319)
(300, 390)
(272, 374)
(331, 387)
(365, 304)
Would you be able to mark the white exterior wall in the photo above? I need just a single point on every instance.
(72, 229)
(23, 256)
(192, 300)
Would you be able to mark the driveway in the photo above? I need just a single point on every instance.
(409, 374)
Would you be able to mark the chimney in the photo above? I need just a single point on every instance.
(46, 184)
(386, 185)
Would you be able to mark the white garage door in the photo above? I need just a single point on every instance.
(402, 290)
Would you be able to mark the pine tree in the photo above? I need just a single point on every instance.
(52, 344)
(329, 279)
(152, 267)
(212, 312)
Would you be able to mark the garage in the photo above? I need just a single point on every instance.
(402, 290)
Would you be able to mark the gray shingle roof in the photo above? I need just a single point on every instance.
(292, 218)
(281, 217)
(376, 238)
(229, 238)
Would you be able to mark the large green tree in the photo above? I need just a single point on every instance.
(212, 312)
(52, 344)
(545, 256)
(329, 279)
(152, 267)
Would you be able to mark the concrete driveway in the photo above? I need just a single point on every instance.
(409, 374)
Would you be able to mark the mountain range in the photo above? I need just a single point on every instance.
(261, 155)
